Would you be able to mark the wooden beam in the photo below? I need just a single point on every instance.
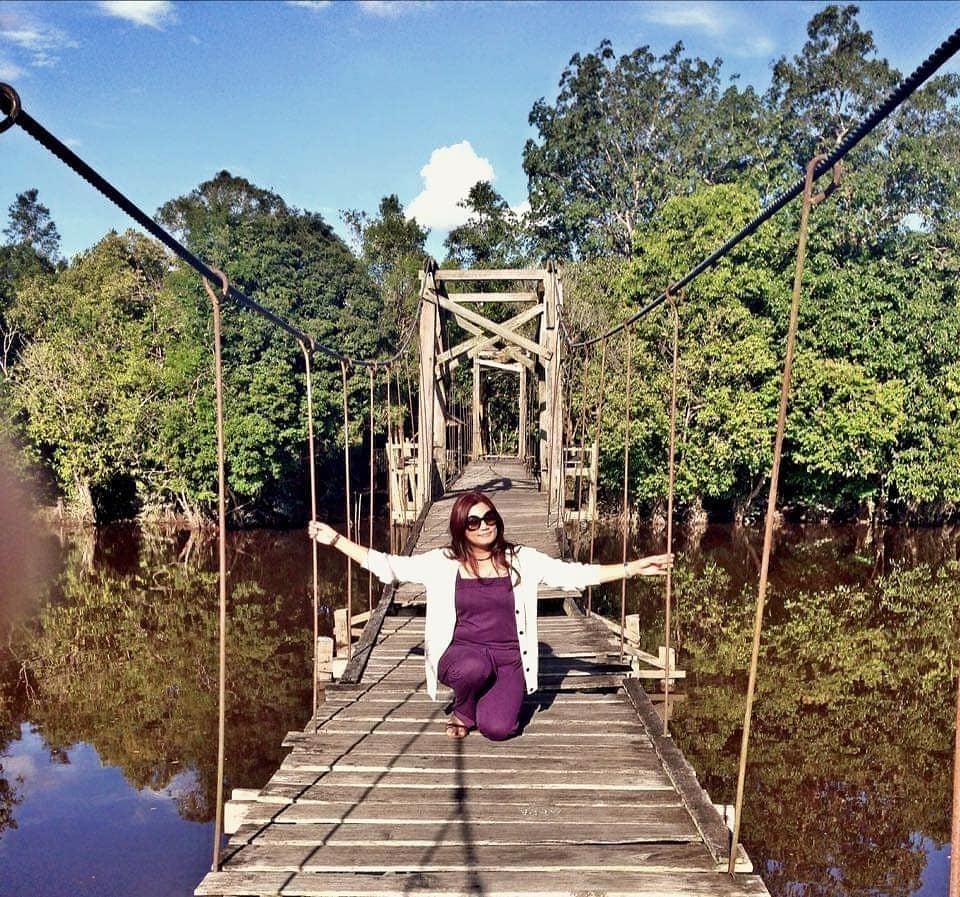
(515, 353)
(501, 331)
(499, 365)
(452, 274)
(482, 340)
(529, 296)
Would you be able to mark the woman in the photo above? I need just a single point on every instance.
(481, 624)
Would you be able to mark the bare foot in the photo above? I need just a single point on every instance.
(455, 728)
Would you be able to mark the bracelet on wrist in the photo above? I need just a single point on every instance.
(626, 570)
(335, 539)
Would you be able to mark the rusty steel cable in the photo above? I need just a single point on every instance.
(401, 457)
(895, 98)
(391, 511)
(671, 483)
(370, 511)
(346, 467)
(808, 201)
(222, 557)
(583, 437)
(311, 446)
(11, 107)
(556, 476)
(596, 439)
(626, 480)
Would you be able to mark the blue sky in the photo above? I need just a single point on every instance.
(335, 104)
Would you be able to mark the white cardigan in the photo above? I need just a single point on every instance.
(438, 573)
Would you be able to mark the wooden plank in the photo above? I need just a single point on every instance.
(633, 883)
(536, 802)
(512, 296)
(538, 858)
(715, 834)
(508, 781)
(506, 768)
(653, 806)
(459, 829)
(468, 274)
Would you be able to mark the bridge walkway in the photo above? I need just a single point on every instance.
(589, 799)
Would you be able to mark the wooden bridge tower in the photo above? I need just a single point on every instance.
(524, 340)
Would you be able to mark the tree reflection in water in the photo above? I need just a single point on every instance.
(850, 759)
(123, 655)
(850, 766)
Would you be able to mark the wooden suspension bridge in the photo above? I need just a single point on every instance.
(374, 799)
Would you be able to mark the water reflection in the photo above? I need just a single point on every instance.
(108, 691)
(850, 770)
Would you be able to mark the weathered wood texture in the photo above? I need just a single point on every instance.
(380, 803)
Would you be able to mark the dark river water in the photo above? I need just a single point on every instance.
(108, 698)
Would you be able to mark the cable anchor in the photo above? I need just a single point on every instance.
(836, 180)
(9, 105)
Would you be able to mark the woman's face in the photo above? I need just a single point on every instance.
(486, 534)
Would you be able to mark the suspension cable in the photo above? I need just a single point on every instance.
(596, 439)
(370, 511)
(626, 480)
(350, 533)
(671, 482)
(583, 436)
(391, 511)
(896, 97)
(11, 107)
(808, 201)
(313, 517)
(222, 557)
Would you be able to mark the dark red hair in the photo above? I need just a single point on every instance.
(501, 551)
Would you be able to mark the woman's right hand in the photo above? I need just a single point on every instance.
(320, 532)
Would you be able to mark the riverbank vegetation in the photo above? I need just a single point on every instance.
(640, 166)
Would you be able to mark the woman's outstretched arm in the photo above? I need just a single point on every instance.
(652, 565)
(327, 535)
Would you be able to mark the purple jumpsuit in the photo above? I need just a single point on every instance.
(482, 663)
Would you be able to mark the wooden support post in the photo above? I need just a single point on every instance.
(551, 392)
(429, 322)
(341, 634)
(522, 422)
(476, 447)
(324, 659)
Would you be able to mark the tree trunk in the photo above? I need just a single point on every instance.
(83, 501)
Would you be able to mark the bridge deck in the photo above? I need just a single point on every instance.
(380, 802)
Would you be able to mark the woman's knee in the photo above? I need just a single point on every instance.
(497, 729)
(466, 667)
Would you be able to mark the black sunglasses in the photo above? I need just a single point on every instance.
(491, 518)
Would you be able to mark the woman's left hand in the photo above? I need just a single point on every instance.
(653, 565)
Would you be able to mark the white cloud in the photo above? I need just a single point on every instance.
(311, 4)
(447, 179)
(42, 42)
(736, 33)
(9, 71)
(707, 16)
(152, 13)
(391, 9)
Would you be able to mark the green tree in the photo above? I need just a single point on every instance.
(625, 134)
(30, 225)
(32, 248)
(88, 381)
(393, 248)
(292, 263)
(492, 236)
